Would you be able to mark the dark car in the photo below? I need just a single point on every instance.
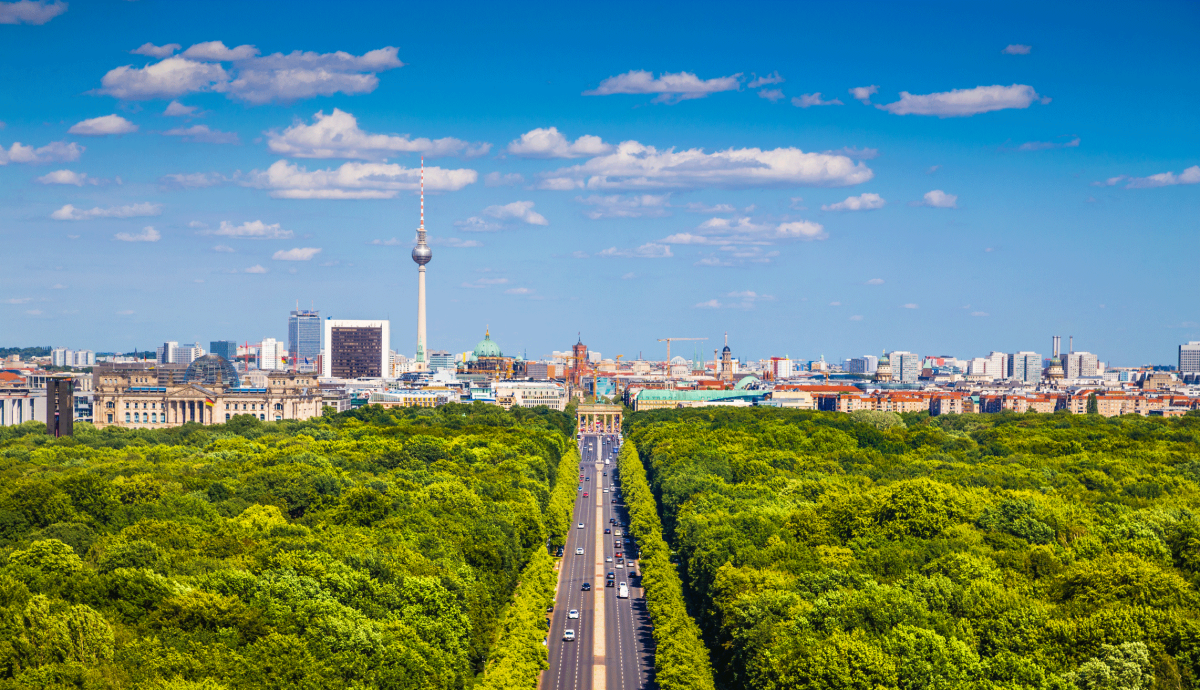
(607, 531)
(587, 586)
(609, 583)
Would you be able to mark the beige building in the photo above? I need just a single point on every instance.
(552, 395)
(134, 399)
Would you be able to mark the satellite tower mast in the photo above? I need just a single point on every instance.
(421, 254)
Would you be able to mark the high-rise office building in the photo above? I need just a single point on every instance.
(224, 348)
(1189, 358)
(271, 354)
(304, 337)
(356, 349)
(421, 254)
(171, 352)
(864, 365)
(1025, 366)
(441, 359)
(1076, 364)
(906, 366)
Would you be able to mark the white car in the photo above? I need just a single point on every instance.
(569, 635)
(579, 551)
(572, 614)
(608, 560)
(606, 491)
(580, 525)
(620, 565)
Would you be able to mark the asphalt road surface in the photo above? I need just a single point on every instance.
(613, 647)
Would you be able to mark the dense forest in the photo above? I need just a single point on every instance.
(372, 549)
(870, 550)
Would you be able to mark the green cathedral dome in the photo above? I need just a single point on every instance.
(487, 347)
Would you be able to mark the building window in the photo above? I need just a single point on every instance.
(278, 406)
(262, 417)
(110, 418)
(110, 404)
(126, 417)
(227, 415)
(127, 407)
(137, 416)
(278, 417)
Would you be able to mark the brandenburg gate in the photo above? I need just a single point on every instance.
(598, 419)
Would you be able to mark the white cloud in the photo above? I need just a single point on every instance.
(710, 304)
(224, 249)
(746, 299)
(773, 95)
(864, 202)
(965, 102)
(550, 143)
(160, 52)
(629, 276)
(772, 78)
(518, 291)
(635, 166)
(979, 313)
(810, 99)
(1188, 176)
(863, 154)
(337, 135)
(69, 212)
(148, 234)
(256, 269)
(354, 180)
(700, 207)
(495, 179)
(55, 151)
(297, 254)
(856, 317)
(632, 206)
(1110, 182)
(875, 281)
(30, 11)
(744, 231)
(910, 305)
(455, 242)
(481, 283)
(194, 180)
(68, 177)
(835, 304)
(18, 300)
(177, 109)
(939, 199)
(100, 126)
(58, 286)
(125, 312)
(671, 88)
(650, 250)
(215, 51)
(255, 80)
(388, 243)
(170, 78)
(1017, 49)
(252, 230)
(202, 134)
(863, 93)
(1044, 145)
(197, 224)
(517, 210)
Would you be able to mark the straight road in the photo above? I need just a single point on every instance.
(613, 646)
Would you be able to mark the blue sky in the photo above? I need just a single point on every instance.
(170, 171)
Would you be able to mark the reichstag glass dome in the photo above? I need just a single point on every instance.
(211, 370)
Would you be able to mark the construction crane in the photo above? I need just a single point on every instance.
(668, 342)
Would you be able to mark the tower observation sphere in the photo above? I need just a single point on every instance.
(422, 254)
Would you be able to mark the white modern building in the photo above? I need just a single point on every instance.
(62, 357)
(171, 352)
(906, 366)
(271, 354)
(1080, 364)
(1189, 358)
(1025, 366)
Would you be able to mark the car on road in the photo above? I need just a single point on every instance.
(587, 586)
(619, 554)
(613, 501)
(608, 559)
(607, 530)
(619, 533)
(623, 591)
(620, 566)
(611, 575)
(569, 635)
(608, 584)
(585, 494)
(578, 550)
(606, 491)
(579, 526)
(572, 614)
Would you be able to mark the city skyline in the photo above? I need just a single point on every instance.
(957, 182)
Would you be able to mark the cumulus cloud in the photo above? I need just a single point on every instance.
(863, 93)
(34, 12)
(550, 143)
(910, 305)
(388, 243)
(875, 281)
(297, 254)
(744, 231)
(773, 95)
(1188, 176)
(455, 242)
(252, 230)
(337, 135)
(495, 179)
(177, 109)
(864, 202)
(810, 99)
(671, 88)
(519, 291)
(287, 180)
(979, 313)
(618, 206)
(517, 210)
(480, 283)
(1044, 145)
(939, 199)
(195, 180)
(856, 317)
(256, 269)
(68, 177)
(100, 126)
(863, 154)
(650, 250)
(148, 234)
(700, 207)
(160, 52)
(965, 102)
(69, 212)
(710, 304)
(636, 166)
(223, 248)
(252, 79)
(1016, 49)
(772, 78)
(203, 135)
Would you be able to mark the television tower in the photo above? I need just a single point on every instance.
(421, 254)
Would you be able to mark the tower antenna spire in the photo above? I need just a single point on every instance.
(421, 254)
(422, 192)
